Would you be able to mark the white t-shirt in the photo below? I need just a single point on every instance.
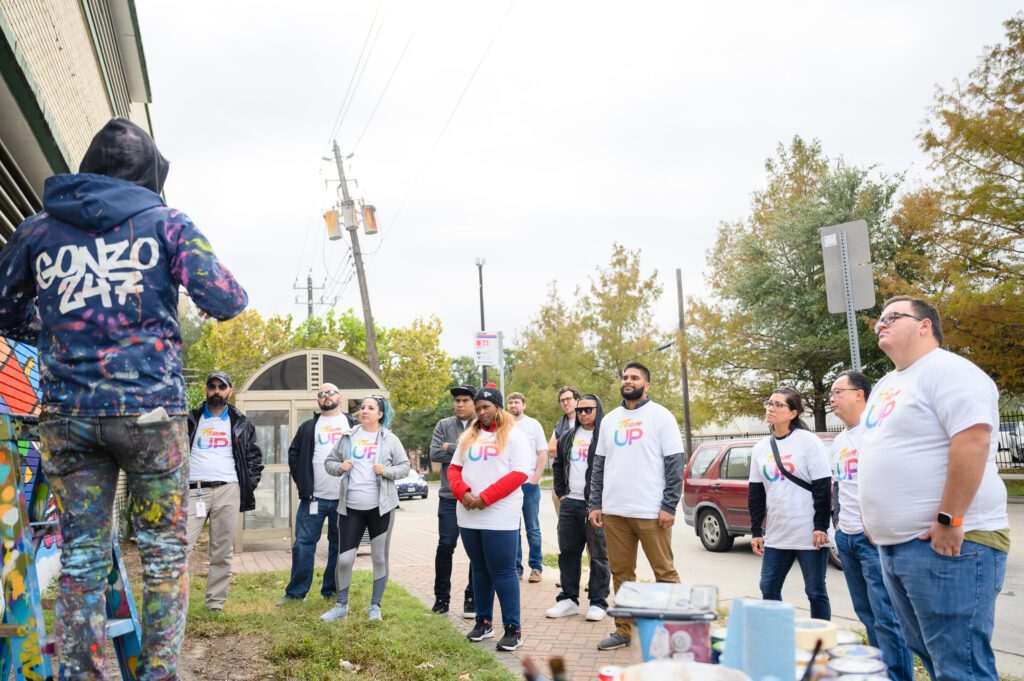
(634, 443)
(845, 452)
(790, 523)
(578, 463)
(211, 459)
(363, 486)
(483, 464)
(909, 423)
(534, 432)
(329, 430)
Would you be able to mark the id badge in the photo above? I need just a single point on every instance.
(314, 508)
(200, 509)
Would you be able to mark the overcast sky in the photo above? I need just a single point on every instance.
(646, 123)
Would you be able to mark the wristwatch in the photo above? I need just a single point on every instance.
(948, 520)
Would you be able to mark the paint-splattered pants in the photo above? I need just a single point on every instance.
(81, 458)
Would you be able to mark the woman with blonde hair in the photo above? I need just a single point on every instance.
(491, 462)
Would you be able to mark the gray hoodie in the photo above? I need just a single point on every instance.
(391, 454)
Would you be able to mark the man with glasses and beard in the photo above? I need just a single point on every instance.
(318, 494)
(635, 486)
(224, 468)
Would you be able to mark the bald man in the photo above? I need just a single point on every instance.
(318, 493)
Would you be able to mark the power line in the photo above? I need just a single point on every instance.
(338, 118)
(359, 78)
(394, 221)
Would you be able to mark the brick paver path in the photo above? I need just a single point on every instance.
(412, 566)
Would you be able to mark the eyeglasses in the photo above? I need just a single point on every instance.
(891, 318)
(835, 391)
(216, 386)
(326, 393)
(585, 410)
(768, 404)
(566, 399)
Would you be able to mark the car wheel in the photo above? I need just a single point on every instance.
(833, 557)
(712, 531)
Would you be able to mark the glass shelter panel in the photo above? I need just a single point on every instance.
(288, 374)
(273, 497)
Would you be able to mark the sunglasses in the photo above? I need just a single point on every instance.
(216, 386)
(326, 393)
(585, 410)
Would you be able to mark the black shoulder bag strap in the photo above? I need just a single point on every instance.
(799, 482)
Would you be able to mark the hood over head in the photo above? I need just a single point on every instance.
(123, 150)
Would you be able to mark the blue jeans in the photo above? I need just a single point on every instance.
(531, 518)
(947, 605)
(308, 529)
(492, 554)
(447, 540)
(775, 566)
(863, 571)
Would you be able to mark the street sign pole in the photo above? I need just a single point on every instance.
(501, 361)
(851, 317)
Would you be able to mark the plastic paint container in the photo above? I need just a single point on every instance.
(856, 665)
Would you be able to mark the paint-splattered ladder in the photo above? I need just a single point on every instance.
(24, 648)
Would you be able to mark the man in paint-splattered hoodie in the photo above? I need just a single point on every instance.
(93, 280)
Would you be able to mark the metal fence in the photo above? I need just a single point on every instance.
(1010, 453)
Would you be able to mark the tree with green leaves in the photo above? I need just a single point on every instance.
(966, 233)
(770, 323)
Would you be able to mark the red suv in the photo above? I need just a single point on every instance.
(715, 492)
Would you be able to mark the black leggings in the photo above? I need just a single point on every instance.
(350, 533)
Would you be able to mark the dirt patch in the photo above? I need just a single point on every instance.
(229, 656)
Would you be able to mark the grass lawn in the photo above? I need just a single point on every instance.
(411, 643)
(1014, 488)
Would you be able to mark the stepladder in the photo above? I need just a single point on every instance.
(30, 543)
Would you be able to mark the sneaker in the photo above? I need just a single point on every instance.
(373, 613)
(339, 611)
(595, 613)
(286, 600)
(469, 609)
(512, 639)
(615, 640)
(440, 607)
(482, 630)
(535, 577)
(563, 608)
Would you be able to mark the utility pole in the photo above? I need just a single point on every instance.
(348, 209)
(683, 348)
(480, 262)
(309, 294)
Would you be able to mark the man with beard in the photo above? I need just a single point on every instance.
(635, 486)
(224, 468)
(318, 494)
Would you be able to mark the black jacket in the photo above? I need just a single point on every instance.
(300, 455)
(248, 457)
(560, 466)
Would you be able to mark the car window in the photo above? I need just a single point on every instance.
(737, 463)
(702, 460)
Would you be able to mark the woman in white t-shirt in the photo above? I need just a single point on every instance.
(798, 501)
(492, 460)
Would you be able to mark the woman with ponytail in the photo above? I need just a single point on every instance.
(368, 459)
(492, 461)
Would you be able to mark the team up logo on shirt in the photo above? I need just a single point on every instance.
(364, 449)
(328, 435)
(580, 450)
(846, 464)
(771, 472)
(481, 451)
(627, 432)
(83, 275)
(881, 408)
(210, 438)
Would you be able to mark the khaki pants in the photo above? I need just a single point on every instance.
(622, 535)
(222, 511)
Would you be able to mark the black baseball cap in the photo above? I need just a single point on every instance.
(492, 395)
(464, 389)
(222, 376)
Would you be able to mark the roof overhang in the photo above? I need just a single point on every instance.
(129, 43)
